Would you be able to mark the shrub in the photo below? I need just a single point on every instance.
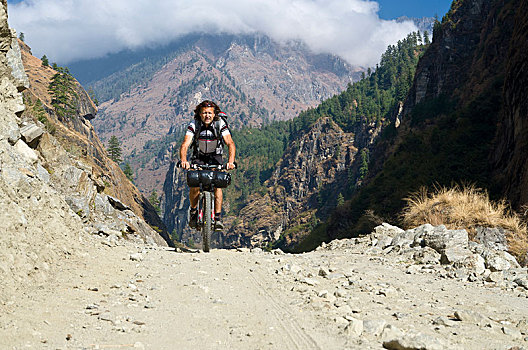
(466, 207)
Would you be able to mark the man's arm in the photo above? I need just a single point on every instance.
(228, 140)
(183, 151)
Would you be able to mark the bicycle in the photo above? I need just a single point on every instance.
(207, 177)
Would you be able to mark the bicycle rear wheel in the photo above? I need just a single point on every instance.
(207, 221)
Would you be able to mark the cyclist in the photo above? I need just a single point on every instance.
(206, 134)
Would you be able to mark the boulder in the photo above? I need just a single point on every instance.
(386, 229)
(456, 255)
(27, 153)
(427, 256)
(31, 134)
(492, 237)
(441, 239)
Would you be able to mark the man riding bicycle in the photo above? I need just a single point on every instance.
(207, 133)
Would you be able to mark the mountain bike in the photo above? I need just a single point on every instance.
(207, 177)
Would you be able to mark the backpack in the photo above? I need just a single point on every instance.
(216, 131)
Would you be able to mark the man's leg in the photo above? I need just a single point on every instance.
(219, 224)
(194, 193)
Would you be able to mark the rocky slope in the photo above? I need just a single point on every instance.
(462, 120)
(57, 185)
(254, 79)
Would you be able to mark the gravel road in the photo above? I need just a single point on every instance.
(125, 295)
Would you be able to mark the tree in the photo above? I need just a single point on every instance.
(63, 94)
(340, 199)
(426, 38)
(22, 37)
(45, 61)
(155, 201)
(114, 149)
(127, 169)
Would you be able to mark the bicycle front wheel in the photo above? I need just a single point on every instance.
(207, 222)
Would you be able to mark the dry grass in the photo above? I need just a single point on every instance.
(466, 207)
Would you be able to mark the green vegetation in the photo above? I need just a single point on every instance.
(22, 37)
(154, 199)
(64, 98)
(45, 61)
(371, 100)
(129, 173)
(114, 149)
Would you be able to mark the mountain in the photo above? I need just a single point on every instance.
(253, 78)
(463, 120)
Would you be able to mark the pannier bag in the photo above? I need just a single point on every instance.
(220, 179)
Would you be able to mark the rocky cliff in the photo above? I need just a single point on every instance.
(56, 182)
(463, 119)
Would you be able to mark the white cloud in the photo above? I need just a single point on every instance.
(68, 30)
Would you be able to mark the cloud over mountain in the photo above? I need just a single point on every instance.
(68, 30)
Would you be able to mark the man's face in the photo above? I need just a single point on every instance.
(207, 115)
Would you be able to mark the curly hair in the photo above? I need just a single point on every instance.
(206, 103)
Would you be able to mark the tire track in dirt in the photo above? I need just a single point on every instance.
(299, 338)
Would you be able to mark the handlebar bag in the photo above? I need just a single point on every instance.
(193, 178)
(222, 179)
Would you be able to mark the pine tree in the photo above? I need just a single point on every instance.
(127, 169)
(22, 37)
(114, 149)
(45, 61)
(155, 201)
(340, 199)
(426, 38)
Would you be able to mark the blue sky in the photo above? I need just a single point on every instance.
(357, 30)
(390, 9)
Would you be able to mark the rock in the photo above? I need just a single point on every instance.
(491, 237)
(27, 153)
(413, 269)
(310, 281)
(14, 61)
(323, 272)
(427, 256)
(470, 317)
(354, 328)
(31, 134)
(383, 241)
(499, 260)
(391, 332)
(444, 321)
(404, 239)
(341, 322)
(521, 282)
(512, 332)
(374, 327)
(456, 255)
(386, 229)
(441, 239)
(136, 257)
(414, 341)
(475, 263)
(496, 277)
(116, 203)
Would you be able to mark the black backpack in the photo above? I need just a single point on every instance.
(216, 131)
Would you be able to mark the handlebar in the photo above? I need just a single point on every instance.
(207, 166)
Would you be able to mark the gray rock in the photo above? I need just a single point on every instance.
(456, 255)
(42, 173)
(13, 135)
(383, 241)
(391, 332)
(310, 281)
(14, 60)
(420, 232)
(441, 239)
(470, 317)
(26, 152)
(492, 237)
(79, 205)
(323, 272)
(427, 256)
(116, 203)
(414, 341)
(386, 229)
(512, 332)
(444, 321)
(499, 260)
(374, 327)
(522, 282)
(31, 134)
(341, 322)
(404, 239)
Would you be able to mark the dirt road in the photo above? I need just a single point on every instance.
(133, 296)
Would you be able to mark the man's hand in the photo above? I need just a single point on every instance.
(185, 165)
(230, 166)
